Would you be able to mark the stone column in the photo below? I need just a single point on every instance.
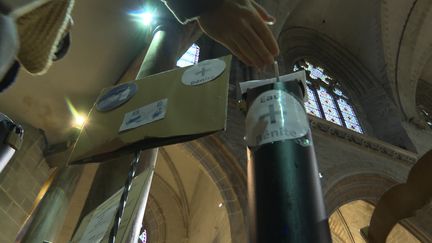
(47, 220)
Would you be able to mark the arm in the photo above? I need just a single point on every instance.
(189, 10)
(239, 25)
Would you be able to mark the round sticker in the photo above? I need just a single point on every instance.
(203, 72)
(116, 96)
(275, 116)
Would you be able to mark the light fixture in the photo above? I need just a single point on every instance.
(144, 17)
(78, 118)
(220, 205)
(79, 121)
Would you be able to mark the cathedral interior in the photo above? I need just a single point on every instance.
(369, 83)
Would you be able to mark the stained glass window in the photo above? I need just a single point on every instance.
(190, 57)
(428, 117)
(311, 105)
(143, 237)
(326, 98)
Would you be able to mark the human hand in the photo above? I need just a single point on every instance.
(240, 26)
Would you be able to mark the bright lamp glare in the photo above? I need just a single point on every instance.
(145, 18)
(79, 121)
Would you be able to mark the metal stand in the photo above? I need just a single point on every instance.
(285, 198)
(124, 197)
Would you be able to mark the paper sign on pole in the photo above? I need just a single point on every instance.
(96, 226)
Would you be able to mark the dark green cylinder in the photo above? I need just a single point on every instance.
(285, 198)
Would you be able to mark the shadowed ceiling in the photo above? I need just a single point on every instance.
(104, 42)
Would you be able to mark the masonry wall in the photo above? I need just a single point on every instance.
(20, 183)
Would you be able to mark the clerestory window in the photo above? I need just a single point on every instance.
(190, 57)
(326, 98)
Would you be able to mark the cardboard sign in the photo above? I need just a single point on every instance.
(164, 110)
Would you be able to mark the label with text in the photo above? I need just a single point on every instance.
(144, 115)
(275, 116)
(203, 72)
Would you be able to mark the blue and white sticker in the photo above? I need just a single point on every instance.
(144, 115)
(275, 116)
(203, 72)
(116, 96)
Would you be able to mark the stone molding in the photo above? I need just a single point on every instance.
(363, 141)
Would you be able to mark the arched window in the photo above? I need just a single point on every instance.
(428, 117)
(326, 98)
(143, 237)
(190, 57)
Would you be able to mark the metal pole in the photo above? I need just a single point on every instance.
(169, 40)
(285, 198)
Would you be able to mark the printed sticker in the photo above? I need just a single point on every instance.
(144, 115)
(275, 116)
(116, 97)
(203, 72)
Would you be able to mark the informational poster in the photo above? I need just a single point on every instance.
(101, 220)
(96, 226)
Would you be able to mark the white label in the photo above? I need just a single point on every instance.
(99, 223)
(144, 115)
(275, 116)
(203, 72)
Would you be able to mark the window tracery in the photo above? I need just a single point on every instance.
(326, 98)
(190, 57)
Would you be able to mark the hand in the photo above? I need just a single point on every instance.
(240, 26)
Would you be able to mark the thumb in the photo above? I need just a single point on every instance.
(263, 13)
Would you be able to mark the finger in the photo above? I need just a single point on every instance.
(249, 50)
(236, 51)
(265, 35)
(259, 47)
(263, 12)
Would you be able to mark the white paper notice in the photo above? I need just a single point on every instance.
(275, 116)
(100, 222)
(144, 115)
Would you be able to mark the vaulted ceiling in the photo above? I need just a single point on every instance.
(385, 36)
(105, 40)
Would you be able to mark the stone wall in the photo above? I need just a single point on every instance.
(20, 183)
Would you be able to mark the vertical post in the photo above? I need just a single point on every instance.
(169, 40)
(47, 220)
(285, 198)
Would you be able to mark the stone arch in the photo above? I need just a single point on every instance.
(368, 187)
(229, 178)
(407, 45)
(298, 42)
(373, 102)
(362, 186)
(164, 214)
(154, 221)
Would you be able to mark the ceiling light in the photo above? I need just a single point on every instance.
(79, 121)
(144, 17)
(220, 205)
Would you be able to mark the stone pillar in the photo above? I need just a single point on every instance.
(47, 220)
